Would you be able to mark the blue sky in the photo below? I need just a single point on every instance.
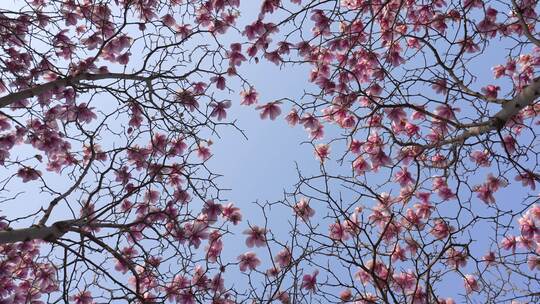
(262, 166)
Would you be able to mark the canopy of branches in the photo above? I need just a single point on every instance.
(421, 117)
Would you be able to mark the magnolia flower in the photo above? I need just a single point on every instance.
(303, 210)
(270, 110)
(403, 177)
(533, 262)
(220, 109)
(28, 174)
(491, 91)
(83, 297)
(203, 152)
(283, 258)
(249, 97)
(232, 213)
(322, 151)
(292, 118)
(509, 243)
(441, 229)
(219, 81)
(471, 284)
(338, 232)
(248, 260)
(256, 236)
(360, 165)
(309, 281)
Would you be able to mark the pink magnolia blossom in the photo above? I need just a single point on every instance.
(509, 143)
(124, 58)
(528, 226)
(495, 183)
(219, 109)
(403, 177)
(177, 147)
(398, 254)
(270, 110)
(527, 179)
(491, 91)
(424, 209)
(404, 280)
(345, 295)
(83, 297)
(489, 258)
(317, 133)
(213, 251)
(485, 193)
(283, 258)
(235, 55)
(283, 297)
(525, 243)
(232, 213)
(439, 86)
(481, 158)
(499, 71)
(309, 281)
(196, 231)
(292, 118)
(360, 165)
(322, 151)
(509, 243)
(211, 211)
(249, 97)
(337, 232)
(256, 236)
(203, 152)
(248, 260)
(28, 174)
(355, 146)
(441, 229)
(151, 196)
(303, 210)
(309, 121)
(188, 100)
(273, 57)
(471, 283)
(456, 258)
(534, 262)
(219, 81)
(168, 20)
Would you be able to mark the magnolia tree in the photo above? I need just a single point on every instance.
(421, 114)
(107, 111)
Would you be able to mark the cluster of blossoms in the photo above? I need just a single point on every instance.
(22, 278)
(529, 239)
(138, 191)
(425, 146)
(394, 78)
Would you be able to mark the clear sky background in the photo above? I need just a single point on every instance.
(262, 166)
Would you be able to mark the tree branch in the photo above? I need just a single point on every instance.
(62, 82)
(524, 25)
(52, 232)
(527, 97)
